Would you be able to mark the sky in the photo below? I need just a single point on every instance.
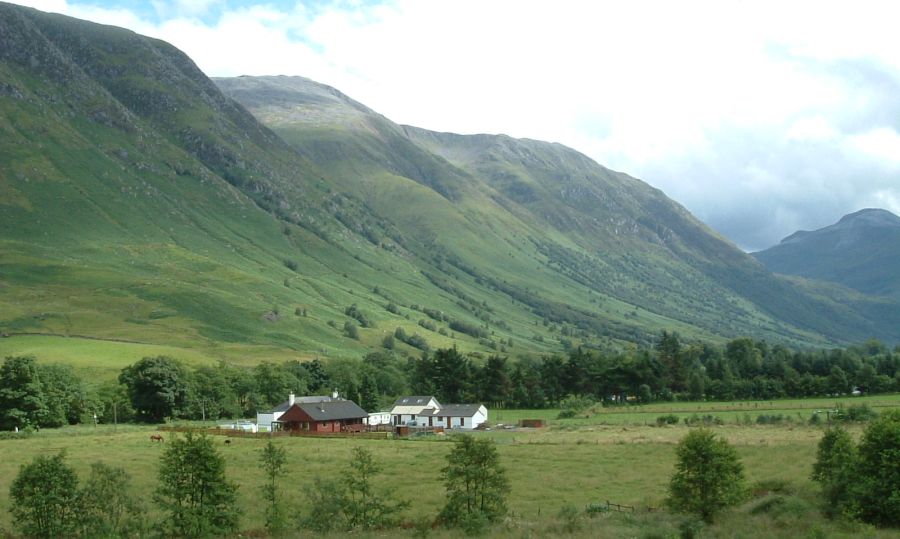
(762, 118)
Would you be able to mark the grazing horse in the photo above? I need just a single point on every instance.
(156, 438)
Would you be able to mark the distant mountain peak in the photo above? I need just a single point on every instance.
(871, 217)
(861, 251)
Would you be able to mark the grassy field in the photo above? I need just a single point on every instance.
(569, 463)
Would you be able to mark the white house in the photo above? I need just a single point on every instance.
(264, 420)
(453, 416)
(378, 418)
(406, 409)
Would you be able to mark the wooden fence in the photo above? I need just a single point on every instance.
(237, 433)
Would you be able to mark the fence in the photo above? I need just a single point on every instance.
(610, 506)
(235, 433)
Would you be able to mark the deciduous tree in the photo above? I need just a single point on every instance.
(193, 490)
(44, 498)
(708, 475)
(157, 387)
(476, 483)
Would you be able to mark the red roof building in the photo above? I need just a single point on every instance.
(323, 417)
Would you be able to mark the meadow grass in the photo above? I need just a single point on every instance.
(550, 468)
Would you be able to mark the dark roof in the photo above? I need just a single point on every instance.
(323, 411)
(416, 400)
(283, 407)
(457, 410)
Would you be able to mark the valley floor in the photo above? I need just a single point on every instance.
(555, 472)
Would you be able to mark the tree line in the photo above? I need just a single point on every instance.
(155, 388)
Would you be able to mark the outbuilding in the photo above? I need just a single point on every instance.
(453, 416)
(406, 409)
(323, 417)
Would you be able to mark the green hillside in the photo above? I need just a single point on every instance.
(591, 233)
(139, 206)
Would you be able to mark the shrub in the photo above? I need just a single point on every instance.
(834, 469)
(354, 312)
(705, 420)
(708, 475)
(290, 264)
(877, 487)
(428, 324)
(476, 484)
(351, 330)
(44, 498)
(670, 419)
(193, 489)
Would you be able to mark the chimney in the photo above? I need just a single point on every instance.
(291, 399)
(334, 394)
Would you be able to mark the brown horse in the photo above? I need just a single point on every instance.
(156, 438)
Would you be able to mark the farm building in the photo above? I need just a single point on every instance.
(264, 420)
(378, 418)
(453, 416)
(324, 416)
(406, 409)
(426, 411)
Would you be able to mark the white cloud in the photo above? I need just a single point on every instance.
(758, 116)
(882, 144)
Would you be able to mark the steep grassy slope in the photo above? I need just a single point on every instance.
(600, 246)
(861, 251)
(141, 206)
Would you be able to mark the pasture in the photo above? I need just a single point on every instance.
(573, 462)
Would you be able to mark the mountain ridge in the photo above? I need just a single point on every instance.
(141, 202)
(860, 251)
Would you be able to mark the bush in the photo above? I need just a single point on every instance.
(193, 489)
(44, 498)
(107, 509)
(428, 324)
(476, 484)
(290, 264)
(705, 420)
(708, 475)
(670, 419)
(469, 329)
(354, 312)
(877, 487)
(351, 330)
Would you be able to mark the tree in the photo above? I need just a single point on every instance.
(368, 394)
(106, 507)
(22, 400)
(45, 498)
(835, 470)
(210, 395)
(708, 475)
(352, 503)
(64, 394)
(877, 485)
(363, 506)
(476, 483)
(157, 387)
(273, 459)
(193, 489)
(351, 330)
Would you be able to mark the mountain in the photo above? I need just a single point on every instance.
(146, 209)
(588, 228)
(861, 251)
